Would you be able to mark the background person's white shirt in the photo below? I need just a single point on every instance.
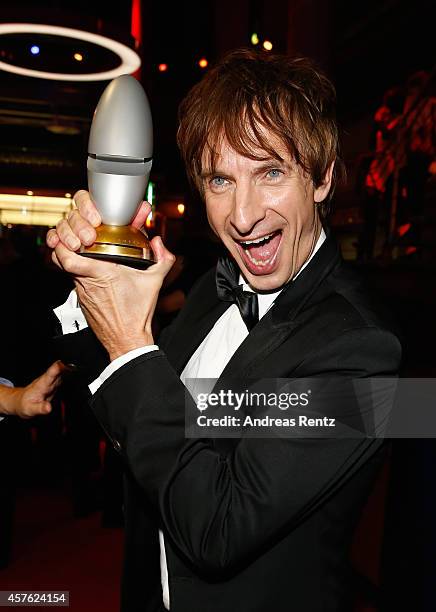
(208, 361)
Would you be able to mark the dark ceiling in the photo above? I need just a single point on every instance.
(366, 47)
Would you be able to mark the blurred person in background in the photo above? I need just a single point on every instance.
(30, 401)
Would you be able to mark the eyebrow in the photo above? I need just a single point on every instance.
(271, 162)
(208, 173)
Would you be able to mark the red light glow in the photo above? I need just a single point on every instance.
(403, 229)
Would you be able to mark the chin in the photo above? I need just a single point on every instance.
(272, 281)
(267, 282)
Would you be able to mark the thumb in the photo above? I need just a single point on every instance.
(164, 258)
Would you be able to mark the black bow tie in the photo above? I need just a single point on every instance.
(228, 290)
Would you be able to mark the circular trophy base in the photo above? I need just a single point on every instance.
(121, 244)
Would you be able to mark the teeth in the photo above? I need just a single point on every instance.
(257, 240)
(256, 261)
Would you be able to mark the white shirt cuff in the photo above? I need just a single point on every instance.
(70, 315)
(118, 362)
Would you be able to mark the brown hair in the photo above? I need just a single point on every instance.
(250, 92)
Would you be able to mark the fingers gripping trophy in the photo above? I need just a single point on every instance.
(119, 163)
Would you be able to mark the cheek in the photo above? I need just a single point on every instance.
(294, 204)
(216, 215)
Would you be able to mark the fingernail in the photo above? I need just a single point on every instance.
(95, 219)
(86, 235)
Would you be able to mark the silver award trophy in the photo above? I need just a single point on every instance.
(119, 162)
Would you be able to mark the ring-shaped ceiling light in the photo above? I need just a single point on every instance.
(130, 61)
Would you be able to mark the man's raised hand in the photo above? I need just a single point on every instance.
(118, 302)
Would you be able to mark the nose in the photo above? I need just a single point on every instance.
(247, 208)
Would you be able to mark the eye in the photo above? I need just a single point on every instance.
(274, 173)
(218, 181)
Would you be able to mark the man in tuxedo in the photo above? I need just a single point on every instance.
(248, 524)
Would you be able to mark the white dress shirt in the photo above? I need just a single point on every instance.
(208, 361)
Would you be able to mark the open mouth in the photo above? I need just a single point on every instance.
(260, 254)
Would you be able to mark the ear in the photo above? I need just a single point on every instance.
(322, 191)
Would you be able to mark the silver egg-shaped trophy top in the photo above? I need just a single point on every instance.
(120, 150)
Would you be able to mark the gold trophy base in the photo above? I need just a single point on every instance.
(122, 244)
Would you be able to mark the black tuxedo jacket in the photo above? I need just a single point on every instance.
(250, 525)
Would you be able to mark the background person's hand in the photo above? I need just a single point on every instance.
(35, 398)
